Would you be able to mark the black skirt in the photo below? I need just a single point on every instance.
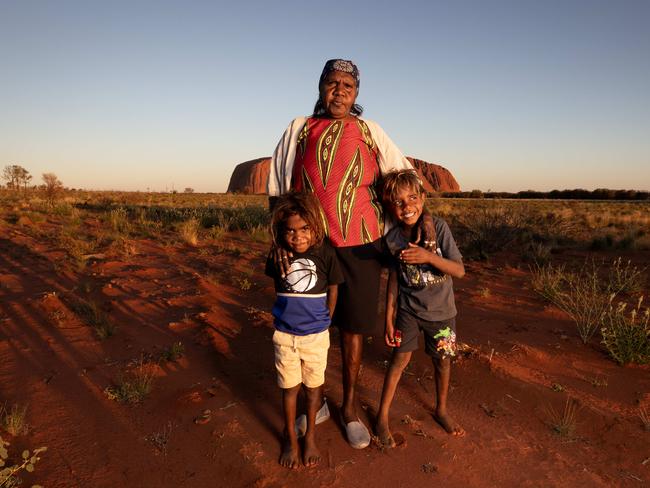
(358, 298)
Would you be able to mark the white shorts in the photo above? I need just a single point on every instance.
(301, 359)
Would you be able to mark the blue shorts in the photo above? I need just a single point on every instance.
(439, 336)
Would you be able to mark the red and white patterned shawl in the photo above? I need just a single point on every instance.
(337, 160)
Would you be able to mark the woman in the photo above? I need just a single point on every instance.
(340, 157)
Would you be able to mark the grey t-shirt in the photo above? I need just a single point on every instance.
(424, 290)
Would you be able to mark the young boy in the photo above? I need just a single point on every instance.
(419, 297)
(305, 301)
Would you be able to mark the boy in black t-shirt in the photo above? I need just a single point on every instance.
(305, 301)
(420, 297)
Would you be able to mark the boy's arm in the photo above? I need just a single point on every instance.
(419, 255)
(391, 309)
(332, 294)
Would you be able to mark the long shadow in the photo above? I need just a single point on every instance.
(64, 404)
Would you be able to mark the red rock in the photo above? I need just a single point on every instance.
(250, 178)
(435, 177)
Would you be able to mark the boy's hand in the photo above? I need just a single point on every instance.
(281, 259)
(389, 335)
(415, 255)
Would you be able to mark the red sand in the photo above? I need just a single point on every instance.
(521, 352)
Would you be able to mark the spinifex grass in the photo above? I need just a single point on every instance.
(563, 423)
(133, 386)
(90, 313)
(644, 415)
(189, 231)
(13, 419)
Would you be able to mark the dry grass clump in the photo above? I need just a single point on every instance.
(133, 386)
(189, 231)
(564, 422)
(548, 280)
(14, 419)
(119, 220)
(645, 418)
(91, 314)
(626, 336)
(173, 352)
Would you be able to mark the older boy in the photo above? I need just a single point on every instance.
(420, 297)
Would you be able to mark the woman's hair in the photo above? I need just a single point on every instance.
(319, 108)
(397, 179)
(295, 203)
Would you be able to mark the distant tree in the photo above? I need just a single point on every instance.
(16, 176)
(188, 190)
(53, 186)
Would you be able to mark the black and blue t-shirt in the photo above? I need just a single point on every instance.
(301, 296)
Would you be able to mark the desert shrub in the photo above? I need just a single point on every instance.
(13, 420)
(119, 220)
(9, 471)
(91, 314)
(217, 231)
(489, 229)
(626, 336)
(173, 352)
(133, 386)
(260, 233)
(587, 294)
(627, 278)
(548, 280)
(537, 252)
(64, 209)
(602, 243)
(189, 231)
(584, 297)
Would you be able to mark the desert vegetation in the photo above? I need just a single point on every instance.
(153, 306)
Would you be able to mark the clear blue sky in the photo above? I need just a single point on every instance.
(156, 94)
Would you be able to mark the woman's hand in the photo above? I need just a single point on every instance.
(281, 259)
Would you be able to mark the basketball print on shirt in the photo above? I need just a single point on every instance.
(301, 276)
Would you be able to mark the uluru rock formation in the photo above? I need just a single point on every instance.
(434, 177)
(251, 177)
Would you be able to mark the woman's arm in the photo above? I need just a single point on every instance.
(332, 295)
(391, 309)
(419, 255)
(282, 160)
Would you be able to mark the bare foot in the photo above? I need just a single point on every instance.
(311, 455)
(449, 424)
(289, 457)
(384, 435)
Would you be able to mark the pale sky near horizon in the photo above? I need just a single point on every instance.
(162, 95)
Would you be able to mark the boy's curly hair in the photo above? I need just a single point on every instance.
(297, 203)
(397, 179)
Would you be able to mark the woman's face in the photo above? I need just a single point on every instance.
(338, 93)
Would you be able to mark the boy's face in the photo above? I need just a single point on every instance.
(297, 234)
(407, 205)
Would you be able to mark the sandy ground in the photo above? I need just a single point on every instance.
(523, 360)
